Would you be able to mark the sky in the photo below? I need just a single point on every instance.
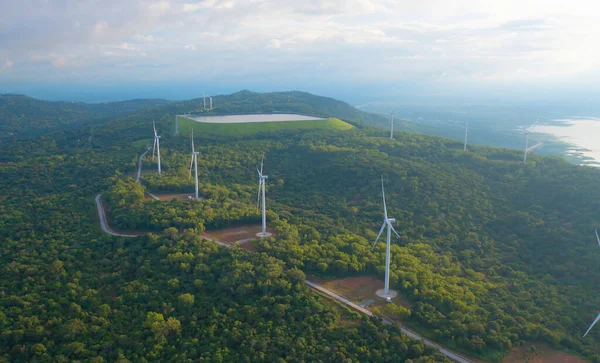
(350, 49)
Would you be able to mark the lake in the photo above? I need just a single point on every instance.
(582, 134)
(266, 117)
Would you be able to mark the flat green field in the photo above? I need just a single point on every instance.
(250, 128)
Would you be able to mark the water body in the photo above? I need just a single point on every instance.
(582, 134)
(267, 117)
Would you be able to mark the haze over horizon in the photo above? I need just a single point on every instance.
(357, 50)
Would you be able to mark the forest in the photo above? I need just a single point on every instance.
(493, 252)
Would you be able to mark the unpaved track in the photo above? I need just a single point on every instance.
(103, 223)
(311, 284)
(410, 333)
(139, 173)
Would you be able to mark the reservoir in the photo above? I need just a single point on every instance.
(582, 134)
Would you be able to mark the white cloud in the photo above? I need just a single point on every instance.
(100, 27)
(7, 64)
(274, 43)
(368, 39)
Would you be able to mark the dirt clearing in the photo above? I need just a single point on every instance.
(236, 234)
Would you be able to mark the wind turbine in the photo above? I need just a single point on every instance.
(466, 134)
(597, 317)
(210, 102)
(194, 162)
(204, 100)
(261, 188)
(156, 146)
(392, 127)
(386, 293)
(527, 148)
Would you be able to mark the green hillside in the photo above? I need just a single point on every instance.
(22, 116)
(493, 252)
(244, 129)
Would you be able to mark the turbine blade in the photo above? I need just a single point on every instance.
(154, 127)
(383, 193)
(591, 326)
(395, 231)
(153, 149)
(193, 149)
(261, 164)
(259, 173)
(379, 235)
(258, 198)
(597, 237)
(191, 162)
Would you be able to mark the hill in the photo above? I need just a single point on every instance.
(245, 129)
(280, 102)
(493, 252)
(22, 116)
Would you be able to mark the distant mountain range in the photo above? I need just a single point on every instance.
(22, 116)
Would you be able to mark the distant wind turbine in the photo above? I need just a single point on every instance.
(261, 188)
(466, 135)
(210, 102)
(392, 127)
(527, 148)
(204, 100)
(194, 162)
(387, 294)
(597, 317)
(156, 146)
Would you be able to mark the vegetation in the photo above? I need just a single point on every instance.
(494, 252)
(21, 116)
(245, 129)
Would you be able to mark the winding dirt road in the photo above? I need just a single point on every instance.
(102, 217)
(311, 284)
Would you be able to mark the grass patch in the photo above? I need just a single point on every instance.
(251, 128)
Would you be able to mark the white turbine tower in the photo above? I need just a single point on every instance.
(597, 317)
(392, 127)
(261, 188)
(156, 146)
(466, 135)
(204, 100)
(194, 162)
(386, 293)
(210, 102)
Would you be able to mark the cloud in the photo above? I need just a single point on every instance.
(373, 40)
(100, 27)
(274, 43)
(7, 64)
(59, 62)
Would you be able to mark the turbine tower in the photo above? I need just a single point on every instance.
(466, 135)
(204, 100)
(386, 293)
(597, 317)
(261, 188)
(527, 148)
(194, 162)
(156, 146)
(392, 127)
(210, 102)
